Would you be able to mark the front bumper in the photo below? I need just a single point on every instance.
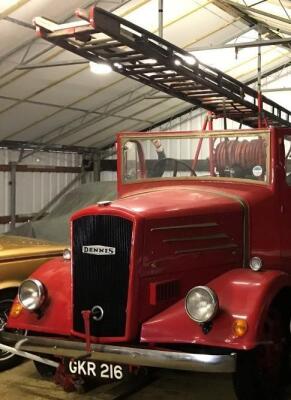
(120, 354)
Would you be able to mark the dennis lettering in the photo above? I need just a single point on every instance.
(98, 250)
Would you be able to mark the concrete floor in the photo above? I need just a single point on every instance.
(24, 383)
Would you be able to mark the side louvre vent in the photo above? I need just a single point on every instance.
(163, 291)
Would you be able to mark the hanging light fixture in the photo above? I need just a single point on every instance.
(100, 68)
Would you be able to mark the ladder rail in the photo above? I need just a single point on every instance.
(130, 49)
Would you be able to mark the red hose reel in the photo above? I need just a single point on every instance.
(244, 154)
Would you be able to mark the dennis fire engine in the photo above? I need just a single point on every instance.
(190, 268)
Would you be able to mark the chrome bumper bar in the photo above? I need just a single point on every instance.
(121, 354)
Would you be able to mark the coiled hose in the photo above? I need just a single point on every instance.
(244, 154)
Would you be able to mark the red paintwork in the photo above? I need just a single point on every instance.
(242, 293)
(56, 276)
(153, 261)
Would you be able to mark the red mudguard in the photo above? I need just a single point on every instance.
(57, 318)
(242, 294)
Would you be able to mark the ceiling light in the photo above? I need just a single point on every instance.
(100, 68)
(117, 65)
(190, 60)
(151, 61)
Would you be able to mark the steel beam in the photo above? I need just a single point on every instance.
(284, 9)
(259, 12)
(242, 45)
(13, 194)
(131, 100)
(87, 112)
(96, 168)
(240, 11)
(282, 89)
(50, 65)
(18, 145)
(19, 22)
(161, 17)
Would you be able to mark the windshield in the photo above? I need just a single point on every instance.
(224, 155)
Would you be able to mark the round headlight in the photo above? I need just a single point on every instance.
(67, 254)
(31, 294)
(256, 263)
(201, 304)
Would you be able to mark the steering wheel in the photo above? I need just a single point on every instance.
(160, 165)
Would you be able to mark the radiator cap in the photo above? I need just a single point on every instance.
(104, 203)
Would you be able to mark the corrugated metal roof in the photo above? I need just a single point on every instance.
(70, 105)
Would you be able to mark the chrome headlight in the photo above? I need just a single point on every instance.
(201, 304)
(31, 294)
(67, 254)
(256, 263)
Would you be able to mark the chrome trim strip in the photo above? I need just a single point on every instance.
(165, 228)
(184, 239)
(223, 247)
(43, 256)
(126, 355)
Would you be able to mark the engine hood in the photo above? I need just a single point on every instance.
(173, 202)
(180, 221)
(177, 201)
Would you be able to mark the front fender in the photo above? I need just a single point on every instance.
(242, 294)
(56, 317)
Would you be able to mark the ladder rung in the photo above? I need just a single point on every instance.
(130, 45)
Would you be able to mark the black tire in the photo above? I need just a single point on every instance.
(7, 360)
(44, 370)
(261, 372)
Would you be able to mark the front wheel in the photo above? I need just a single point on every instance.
(7, 360)
(261, 372)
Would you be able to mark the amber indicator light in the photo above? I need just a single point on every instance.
(240, 327)
(15, 310)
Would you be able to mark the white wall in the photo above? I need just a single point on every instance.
(34, 189)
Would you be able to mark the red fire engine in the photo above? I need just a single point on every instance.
(190, 268)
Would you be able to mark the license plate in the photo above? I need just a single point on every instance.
(98, 370)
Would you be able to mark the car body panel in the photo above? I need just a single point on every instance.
(20, 256)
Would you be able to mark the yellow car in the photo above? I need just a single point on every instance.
(19, 257)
